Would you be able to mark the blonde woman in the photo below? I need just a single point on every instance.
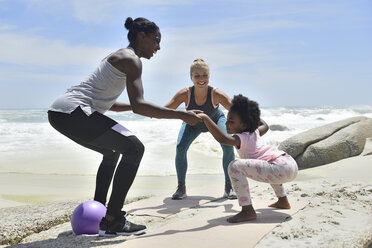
(200, 96)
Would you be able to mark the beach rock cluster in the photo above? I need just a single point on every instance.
(19, 222)
(276, 127)
(329, 143)
(22, 221)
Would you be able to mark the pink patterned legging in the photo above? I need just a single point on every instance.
(281, 170)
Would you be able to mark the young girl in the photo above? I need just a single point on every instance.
(258, 161)
(206, 98)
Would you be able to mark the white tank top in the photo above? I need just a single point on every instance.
(98, 92)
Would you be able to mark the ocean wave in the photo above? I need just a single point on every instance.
(28, 144)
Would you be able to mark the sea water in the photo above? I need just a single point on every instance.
(29, 145)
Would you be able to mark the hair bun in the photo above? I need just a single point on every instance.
(129, 23)
(199, 60)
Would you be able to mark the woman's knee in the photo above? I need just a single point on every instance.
(111, 157)
(135, 150)
(182, 147)
(140, 147)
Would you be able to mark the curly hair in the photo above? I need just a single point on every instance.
(247, 110)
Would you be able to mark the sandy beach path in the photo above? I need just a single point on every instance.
(199, 219)
(334, 204)
(206, 226)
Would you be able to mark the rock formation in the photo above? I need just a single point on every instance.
(329, 143)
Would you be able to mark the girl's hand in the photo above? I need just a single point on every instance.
(217, 133)
(203, 116)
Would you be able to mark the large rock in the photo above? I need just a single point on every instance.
(329, 143)
(367, 148)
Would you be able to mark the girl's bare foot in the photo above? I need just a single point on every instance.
(246, 214)
(281, 203)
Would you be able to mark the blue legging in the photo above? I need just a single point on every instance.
(186, 136)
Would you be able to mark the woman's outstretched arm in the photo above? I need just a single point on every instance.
(119, 107)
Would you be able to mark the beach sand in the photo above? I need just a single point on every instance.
(23, 189)
(338, 213)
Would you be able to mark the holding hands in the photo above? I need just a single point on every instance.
(192, 117)
(202, 116)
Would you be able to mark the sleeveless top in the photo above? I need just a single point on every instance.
(98, 92)
(207, 108)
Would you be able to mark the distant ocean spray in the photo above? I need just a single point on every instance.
(28, 144)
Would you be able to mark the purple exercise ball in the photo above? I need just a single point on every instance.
(87, 216)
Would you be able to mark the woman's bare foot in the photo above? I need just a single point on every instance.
(281, 203)
(246, 214)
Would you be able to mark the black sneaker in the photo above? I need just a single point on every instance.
(120, 226)
(103, 225)
(124, 213)
(229, 192)
(180, 193)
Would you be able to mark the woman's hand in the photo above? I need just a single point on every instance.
(192, 117)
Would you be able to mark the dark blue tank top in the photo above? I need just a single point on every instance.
(207, 108)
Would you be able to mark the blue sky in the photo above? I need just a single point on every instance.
(279, 53)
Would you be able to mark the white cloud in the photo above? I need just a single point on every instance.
(229, 29)
(23, 49)
(176, 58)
(50, 7)
(180, 46)
(100, 12)
(6, 27)
(14, 77)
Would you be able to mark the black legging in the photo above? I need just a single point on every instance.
(95, 132)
